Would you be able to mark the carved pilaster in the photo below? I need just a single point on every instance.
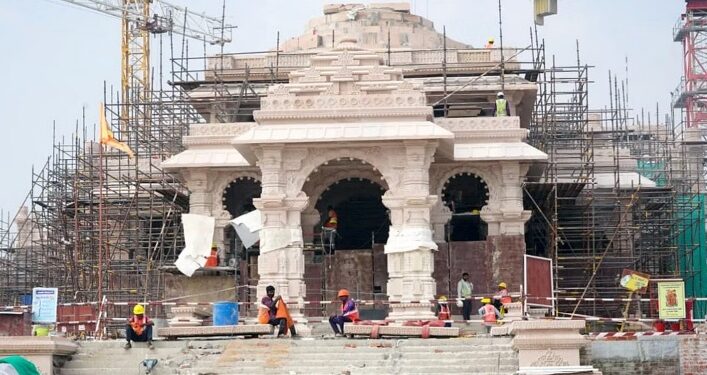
(508, 217)
(281, 261)
(200, 197)
(410, 245)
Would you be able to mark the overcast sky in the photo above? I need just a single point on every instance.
(55, 56)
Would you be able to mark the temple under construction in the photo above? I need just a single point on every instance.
(608, 189)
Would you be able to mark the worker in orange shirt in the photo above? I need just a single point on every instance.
(273, 311)
(349, 313)
(139, 328)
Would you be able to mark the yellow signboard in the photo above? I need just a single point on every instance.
(635, 281)
(671, 300)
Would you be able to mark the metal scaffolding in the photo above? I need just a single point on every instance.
(617, 191)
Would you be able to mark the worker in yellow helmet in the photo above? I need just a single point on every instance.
(489, 43)
(139, 328)
(329, 229)
(502, 297)
(488, 313)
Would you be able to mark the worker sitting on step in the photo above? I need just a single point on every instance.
(442, 310)
(139, 328)
(489, 314)
(502, 297)
(349, 313)
(273, 311)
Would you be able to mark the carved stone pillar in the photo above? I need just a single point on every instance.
(410, 245)
(281, 261)
(506, 226)
(200, 196)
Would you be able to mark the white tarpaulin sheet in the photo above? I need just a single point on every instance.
(198, 237)
(409, 239)
(278, 238)
(247, 227)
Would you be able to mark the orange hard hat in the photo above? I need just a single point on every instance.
(343, 293)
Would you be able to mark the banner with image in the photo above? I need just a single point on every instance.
(671, 300)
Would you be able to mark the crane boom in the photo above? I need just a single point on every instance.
(179, 20)
(139, 19)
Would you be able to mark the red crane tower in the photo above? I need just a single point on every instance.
(691, 31)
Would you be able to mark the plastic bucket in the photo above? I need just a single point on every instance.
(225, 313)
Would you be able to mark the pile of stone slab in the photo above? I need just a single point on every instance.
(377, 331)
(188, 322)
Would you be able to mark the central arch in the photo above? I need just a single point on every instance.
(363, 219)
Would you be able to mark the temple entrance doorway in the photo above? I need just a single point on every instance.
(362, 217)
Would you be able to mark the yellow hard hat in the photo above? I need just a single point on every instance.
(490, 40)
(486, 300)
(443, 298)
(138, 310)
(502, 285)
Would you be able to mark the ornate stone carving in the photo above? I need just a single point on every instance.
(549, 358)
(220, 129)
(346, 79)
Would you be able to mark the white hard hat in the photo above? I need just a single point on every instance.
(500, 93)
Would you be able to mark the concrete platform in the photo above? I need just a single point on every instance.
(172, 333)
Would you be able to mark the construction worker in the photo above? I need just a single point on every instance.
(273, 311)
(464, 290)
(139, 328)
(501, 108)
(488, 313)
(489, 43)
(442, 310)
(502, 297)
(349, 313)
(329, 228)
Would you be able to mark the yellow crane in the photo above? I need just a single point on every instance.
(140, 19)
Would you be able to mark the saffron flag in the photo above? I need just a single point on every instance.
(107, 137)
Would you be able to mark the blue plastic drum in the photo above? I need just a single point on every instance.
(225, 313)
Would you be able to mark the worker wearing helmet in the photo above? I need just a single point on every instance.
(139, 328)
(329, 229)
(488, 313)
(501, 108)
(442, 310)
(489, 43)
(349, 313)
(502, 297)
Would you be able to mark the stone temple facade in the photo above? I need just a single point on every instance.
(348, 115)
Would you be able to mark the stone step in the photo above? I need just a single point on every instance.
(487, 362)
